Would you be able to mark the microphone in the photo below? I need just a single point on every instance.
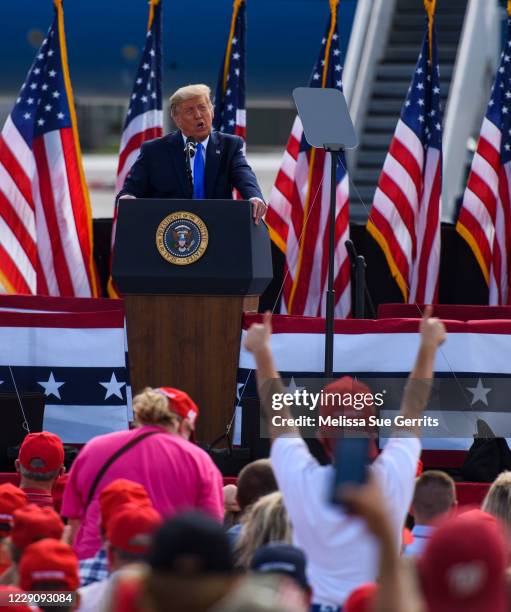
(190, 147)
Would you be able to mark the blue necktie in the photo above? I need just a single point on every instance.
(198, 173)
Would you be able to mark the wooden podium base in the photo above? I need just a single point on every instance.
(200, 337)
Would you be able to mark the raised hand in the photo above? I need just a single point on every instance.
(431, 329)
(259, 334)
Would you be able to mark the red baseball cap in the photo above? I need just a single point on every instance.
(41, 452)
(131, 529)
(120, 492)
(11, 498)
(463, 567)
(362, 598)
(180, 403)
(49, 560)
(5, 591)
(32, 523)
(357, 391)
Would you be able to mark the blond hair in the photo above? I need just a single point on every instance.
(186, 93)
(498, 499)
(263, 522)
(152, 408)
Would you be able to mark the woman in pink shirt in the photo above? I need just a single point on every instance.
(176, 473)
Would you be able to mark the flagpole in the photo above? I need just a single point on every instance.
(91, 266)
(235, 9)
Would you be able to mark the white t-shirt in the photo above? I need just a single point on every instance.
(341, 553)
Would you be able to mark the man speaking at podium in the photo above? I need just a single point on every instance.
(193, 162)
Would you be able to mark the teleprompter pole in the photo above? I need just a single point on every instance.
(334, 151)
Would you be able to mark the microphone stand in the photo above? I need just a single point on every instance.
(188, 164)
(360, 289)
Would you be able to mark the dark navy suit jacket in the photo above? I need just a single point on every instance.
(160, 170)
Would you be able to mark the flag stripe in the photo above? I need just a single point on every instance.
(484, 191)
(387, 209)
(63, 181)
(503, 237)
(471, 230)
(46, 273)
(14, 201)
(150, 119)
(79, 205)
(135, 143)
(488, 152)
(17, 270)
(404, 207)
(65, 286)
(15, 172)
(404, 157)
(429, 228)
(18, 229)
(391, 246)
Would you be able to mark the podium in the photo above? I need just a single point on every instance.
(187, 270)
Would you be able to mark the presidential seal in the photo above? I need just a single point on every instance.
(182, 238)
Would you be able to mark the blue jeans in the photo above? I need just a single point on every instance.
(322, 608)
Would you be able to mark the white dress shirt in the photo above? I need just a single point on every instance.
(204, 143)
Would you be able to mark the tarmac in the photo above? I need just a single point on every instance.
(100, 171)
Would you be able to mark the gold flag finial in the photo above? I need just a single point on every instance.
(334, 4)
(430, 6)
(152, 4)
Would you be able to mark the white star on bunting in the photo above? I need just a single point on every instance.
(51, 387)
(113, 387)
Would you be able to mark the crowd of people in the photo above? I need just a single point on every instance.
(145, 524)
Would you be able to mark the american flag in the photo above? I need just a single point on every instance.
(45, 213)
(230, 112)
(144, 118)
(405, 217)
(485, 216)
(299, 206)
